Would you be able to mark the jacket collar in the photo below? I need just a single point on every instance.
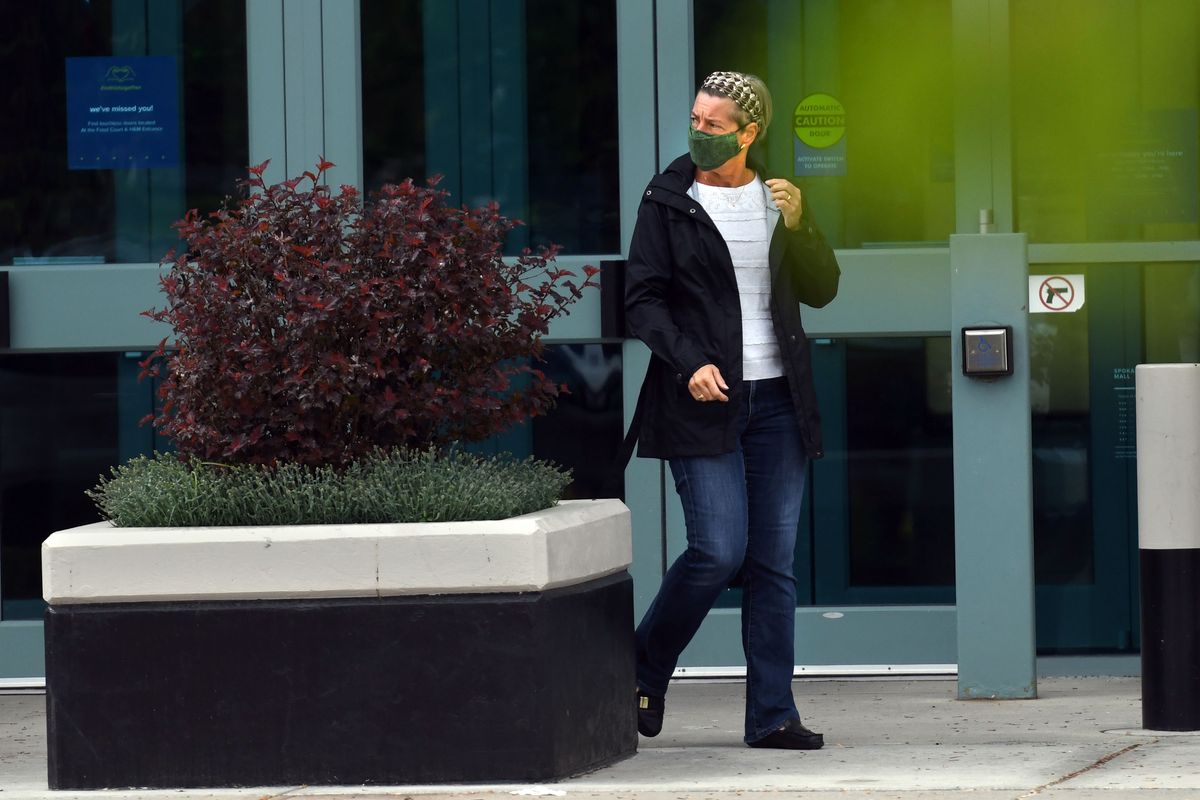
(671, 188)
(672, 184)
(681, 173)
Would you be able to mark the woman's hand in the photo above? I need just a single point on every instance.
(706, 384)
(788, 200)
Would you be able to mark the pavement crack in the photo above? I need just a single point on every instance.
(1100, 762)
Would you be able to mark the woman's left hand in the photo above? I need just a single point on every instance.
(788, 200)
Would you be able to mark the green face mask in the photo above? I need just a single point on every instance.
(711, 150)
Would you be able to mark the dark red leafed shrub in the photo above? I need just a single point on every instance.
(312, 327)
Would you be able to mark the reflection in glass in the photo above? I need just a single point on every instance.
(1060, 383)
(52, 213)
(1172, 296)
(516, 104)
(1105, 99)
(897, 185)
(900, 468)
(393, 90)
(878, 518)
(65, 419)
(584, 429)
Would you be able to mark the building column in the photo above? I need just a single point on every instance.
(993, 475)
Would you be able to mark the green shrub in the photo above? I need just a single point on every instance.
(385, 486)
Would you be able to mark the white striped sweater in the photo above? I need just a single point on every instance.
(740, 214)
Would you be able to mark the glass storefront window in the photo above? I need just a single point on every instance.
(1105, 99)
(65, 419)
(1085, 441)
(1172, 317)
(890, 170)
(1084, 417)
(899, 462)
(187, 107)
(878, 519)
(586, 426)
(517, 104)
(1060, 398)
(583, 431)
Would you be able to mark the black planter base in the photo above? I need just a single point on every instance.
(384, 691)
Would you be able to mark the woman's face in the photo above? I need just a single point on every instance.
(715, 115)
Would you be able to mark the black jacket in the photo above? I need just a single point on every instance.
(681, 299)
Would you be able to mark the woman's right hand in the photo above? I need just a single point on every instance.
(706, 385)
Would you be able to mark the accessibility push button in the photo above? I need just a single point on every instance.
(987, 352)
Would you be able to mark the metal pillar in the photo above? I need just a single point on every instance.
(993, 490)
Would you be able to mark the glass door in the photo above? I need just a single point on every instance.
(1104, 176)
(65, 419)
(883, 498)
(499, 99)
(129, 114)
(864, 124)
(900, 120)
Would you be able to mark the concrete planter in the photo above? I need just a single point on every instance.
(381, 654)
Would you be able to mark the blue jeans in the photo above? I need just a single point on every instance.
(741, 510)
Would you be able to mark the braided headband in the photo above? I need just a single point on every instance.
(735, 86)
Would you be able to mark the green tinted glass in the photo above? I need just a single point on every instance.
(1104, 99)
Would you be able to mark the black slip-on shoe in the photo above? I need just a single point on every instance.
(650, 713)
(791, 736)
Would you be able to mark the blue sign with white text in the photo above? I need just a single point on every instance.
(122, 112)
(811, 161)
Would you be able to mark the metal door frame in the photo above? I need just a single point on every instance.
(304, 96)
(318, 111)
(854, 639)
(915, 283)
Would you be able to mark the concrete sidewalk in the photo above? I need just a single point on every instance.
(906, 739)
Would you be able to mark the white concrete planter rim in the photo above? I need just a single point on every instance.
(574, 542)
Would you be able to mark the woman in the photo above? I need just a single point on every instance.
(719, 261)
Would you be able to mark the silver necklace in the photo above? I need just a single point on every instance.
(731, 198)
